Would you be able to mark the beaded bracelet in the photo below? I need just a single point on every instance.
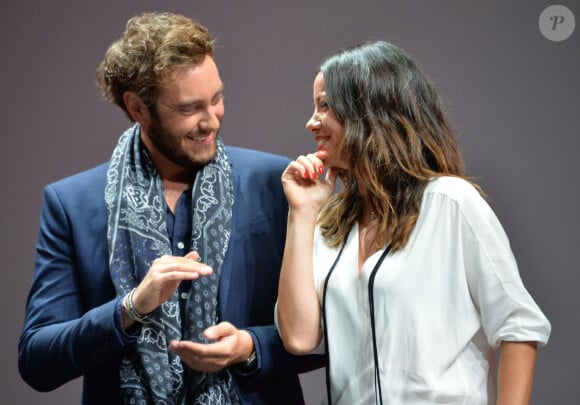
(132, 313)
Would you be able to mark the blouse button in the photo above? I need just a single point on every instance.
(180, 245)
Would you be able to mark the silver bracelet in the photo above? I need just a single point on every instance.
(132, 313)
(251, 361)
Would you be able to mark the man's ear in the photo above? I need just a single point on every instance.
(136, 108)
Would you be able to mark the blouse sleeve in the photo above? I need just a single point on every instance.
(508, 312)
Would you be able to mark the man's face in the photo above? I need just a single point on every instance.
(183, 131)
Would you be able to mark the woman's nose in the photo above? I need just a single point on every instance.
(313, 123)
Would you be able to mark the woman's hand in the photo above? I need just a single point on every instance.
(303, 185)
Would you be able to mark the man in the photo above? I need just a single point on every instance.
(156, 274)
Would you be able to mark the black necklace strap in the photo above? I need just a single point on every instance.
(325, 329)
(379, 394)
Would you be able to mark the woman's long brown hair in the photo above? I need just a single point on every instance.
(397, 139)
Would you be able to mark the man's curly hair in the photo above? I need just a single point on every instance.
(152, 47)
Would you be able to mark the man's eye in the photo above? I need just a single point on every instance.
(217, 99)
(192, 109)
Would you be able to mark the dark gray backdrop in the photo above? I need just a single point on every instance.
(513, 97)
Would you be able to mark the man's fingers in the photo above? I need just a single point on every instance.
(210, 352)
(219, 331)
(203, 357)
(193, 255)
(180, 267)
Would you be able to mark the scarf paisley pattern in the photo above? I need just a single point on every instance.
(137, 235)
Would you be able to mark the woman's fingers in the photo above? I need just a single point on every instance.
(312, 165)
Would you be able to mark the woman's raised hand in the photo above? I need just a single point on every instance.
(305, 185)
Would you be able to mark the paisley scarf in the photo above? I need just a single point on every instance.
(137, 235)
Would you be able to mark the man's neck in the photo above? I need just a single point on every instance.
(172, 191)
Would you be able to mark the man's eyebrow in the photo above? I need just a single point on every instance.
(198, 100)
(219, 92)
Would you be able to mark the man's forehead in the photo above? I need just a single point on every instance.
(199, 81)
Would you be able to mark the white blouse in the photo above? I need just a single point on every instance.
(441, 305)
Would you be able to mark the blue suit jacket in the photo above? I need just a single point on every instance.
(73, 328)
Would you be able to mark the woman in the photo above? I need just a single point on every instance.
(405, 278)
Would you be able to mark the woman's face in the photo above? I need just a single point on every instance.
(327, 129)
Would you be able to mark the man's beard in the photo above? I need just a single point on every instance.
(169, 145)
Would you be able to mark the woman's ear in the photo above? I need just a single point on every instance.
(136, 108)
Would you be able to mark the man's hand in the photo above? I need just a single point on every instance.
(231, 346)
(162, 280)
